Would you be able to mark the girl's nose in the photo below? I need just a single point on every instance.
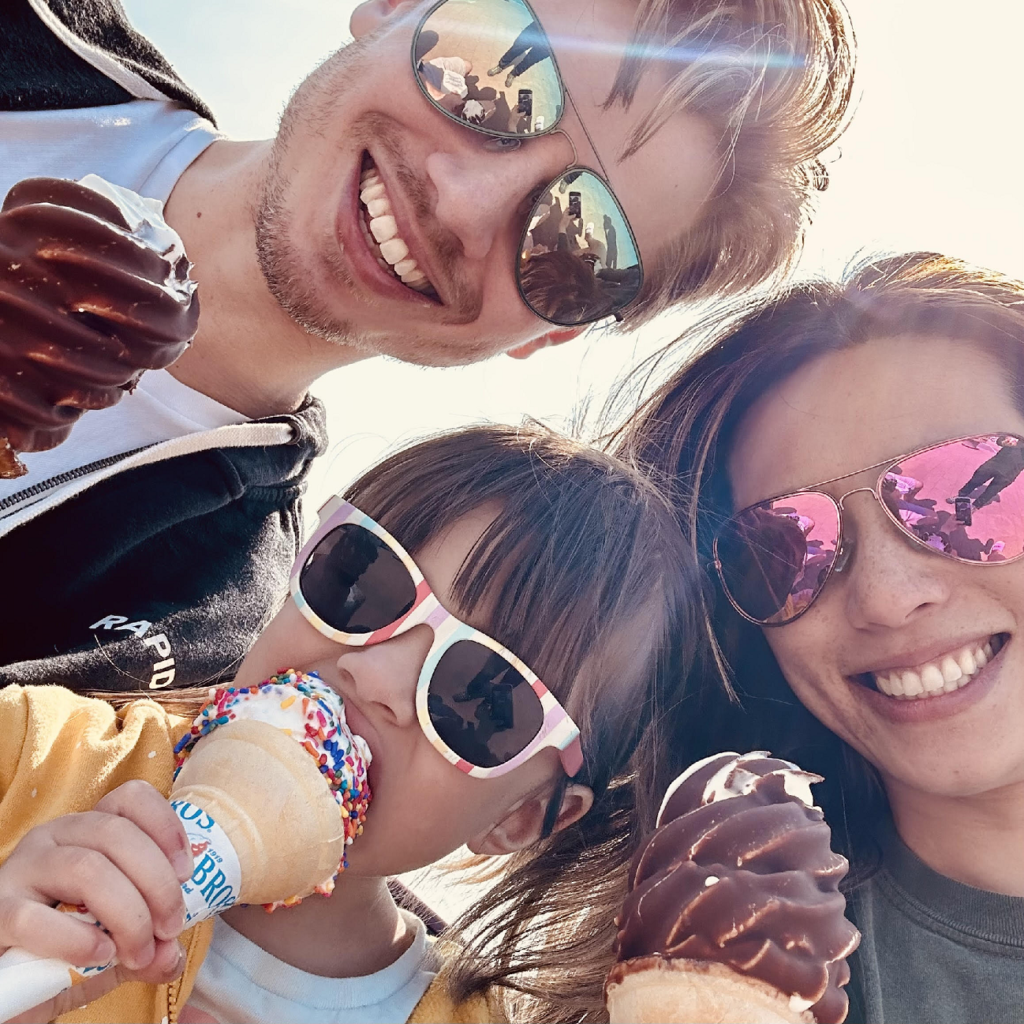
(482, 193)
(385, 674)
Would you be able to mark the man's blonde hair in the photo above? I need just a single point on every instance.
(773, 79)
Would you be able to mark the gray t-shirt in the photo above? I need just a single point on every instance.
(934, 950)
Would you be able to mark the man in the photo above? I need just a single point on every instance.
(149, 547)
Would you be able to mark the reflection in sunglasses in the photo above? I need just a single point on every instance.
(489, 63)
(963, 499)
(577, 261)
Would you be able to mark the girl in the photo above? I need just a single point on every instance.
(567, 558)
(847, 464)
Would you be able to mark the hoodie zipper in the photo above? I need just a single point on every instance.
(66, 477)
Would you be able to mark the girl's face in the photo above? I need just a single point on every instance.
(895, 606)
(422, 807)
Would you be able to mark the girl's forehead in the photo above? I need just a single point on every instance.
(863, 404)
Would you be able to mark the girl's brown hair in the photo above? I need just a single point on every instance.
(735, 696)
(584, 574)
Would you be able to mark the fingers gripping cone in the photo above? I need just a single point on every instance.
(271, 788)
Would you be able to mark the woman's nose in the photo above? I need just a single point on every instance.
(481, 194)
(890, 580)
(385, 675)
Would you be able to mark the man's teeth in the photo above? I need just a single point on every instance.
(384, 230)
(944, 675)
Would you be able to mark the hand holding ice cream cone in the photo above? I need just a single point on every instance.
(271, 789)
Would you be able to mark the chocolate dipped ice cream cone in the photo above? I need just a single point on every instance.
(734, 914)
(94, 289)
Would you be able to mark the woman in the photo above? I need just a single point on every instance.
(872, 414)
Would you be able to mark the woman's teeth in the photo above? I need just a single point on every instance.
(381, 232)
(944, 675)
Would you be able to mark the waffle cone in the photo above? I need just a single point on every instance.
(658, 990)
(277, 810)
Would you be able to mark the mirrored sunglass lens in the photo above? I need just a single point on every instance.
(481, 706)
(488, 62)
(578, 262)
(776, 556)
(964, 499)
(355, 582)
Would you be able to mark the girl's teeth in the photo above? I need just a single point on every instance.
(378, 208)
(406, 266)
(372, 191)
(953, 672)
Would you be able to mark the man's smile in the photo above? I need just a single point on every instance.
(380, 231)
(367, 255)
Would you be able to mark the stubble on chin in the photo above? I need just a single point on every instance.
(317, 106)
(280, 261)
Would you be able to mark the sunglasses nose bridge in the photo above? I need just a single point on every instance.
(846, 544)
(856, 490)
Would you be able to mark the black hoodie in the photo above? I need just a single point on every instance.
(158, 567)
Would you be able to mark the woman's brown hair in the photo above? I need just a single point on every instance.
(584, 574)
(735, 696)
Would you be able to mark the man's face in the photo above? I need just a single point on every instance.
(460, 200)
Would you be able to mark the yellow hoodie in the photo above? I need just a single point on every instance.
(60, 753)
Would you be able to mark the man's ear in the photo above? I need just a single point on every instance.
(370, 15)
(557, 337)
(521, 827)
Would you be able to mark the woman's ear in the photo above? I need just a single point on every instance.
(372, 14)
(522, 826)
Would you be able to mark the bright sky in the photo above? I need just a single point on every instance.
(932, 161)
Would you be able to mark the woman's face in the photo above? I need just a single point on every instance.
(895, 607)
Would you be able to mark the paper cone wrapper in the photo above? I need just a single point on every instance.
(661, 990)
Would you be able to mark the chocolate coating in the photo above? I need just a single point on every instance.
(86, 304)
(741, 871)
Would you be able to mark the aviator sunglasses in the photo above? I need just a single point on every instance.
(962, 499)
(481, 707)
(488, 65)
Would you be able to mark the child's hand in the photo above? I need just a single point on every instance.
(125, 861)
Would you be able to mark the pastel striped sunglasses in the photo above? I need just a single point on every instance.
(480, 706)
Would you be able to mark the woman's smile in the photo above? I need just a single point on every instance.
(936, 688)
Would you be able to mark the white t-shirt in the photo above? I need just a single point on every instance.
(239, 983)
(144, 145)
(159, 409)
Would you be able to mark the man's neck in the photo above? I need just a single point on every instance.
(249, 354)
(975, 840)
(356, 931)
